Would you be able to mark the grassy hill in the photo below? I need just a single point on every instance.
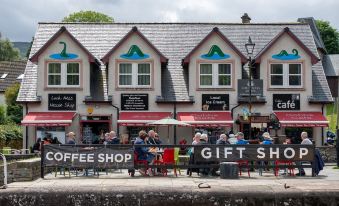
(23, 47)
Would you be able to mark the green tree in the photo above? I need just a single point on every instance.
(2, 114)
(7, 51)
(329, 35)
(14, 110)
(88, 16)
(29, 48)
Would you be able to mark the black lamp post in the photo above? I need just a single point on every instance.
(249, 49)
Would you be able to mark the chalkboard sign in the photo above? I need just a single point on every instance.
(134, 101)
(215, 102)
(61, 101)
(244, 87)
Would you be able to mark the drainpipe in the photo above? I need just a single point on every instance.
(26, 128)
(322, 128)
(118, 110)
(234, 109)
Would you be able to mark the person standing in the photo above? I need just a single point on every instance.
(307, 141)
(70, 138)
(222, 139)
(267, 138)
(240, 138)
(232, 139)
(113, 137)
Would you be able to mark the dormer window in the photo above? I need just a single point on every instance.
(286, 75)
(63, 74)
(4, 76)
(215, 75)
(134, 75)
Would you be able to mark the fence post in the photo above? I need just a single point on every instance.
(42, 174)
(5, 171)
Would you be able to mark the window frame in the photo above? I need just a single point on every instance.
(135, 74)
(215, 75)
(286, 75)
(64, 75)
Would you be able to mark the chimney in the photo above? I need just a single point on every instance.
(246, 19)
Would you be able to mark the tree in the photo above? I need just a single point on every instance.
(88, 16)
(329, 35)
(7, 51)
(14, 110)
(29, 48)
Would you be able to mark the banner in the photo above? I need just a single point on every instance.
(207, 153)
(115, 157)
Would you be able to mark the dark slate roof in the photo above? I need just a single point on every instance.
(13, 69)
(331, 64)
(316, 34)
(175, 41)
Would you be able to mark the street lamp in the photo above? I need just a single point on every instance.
(249, 49)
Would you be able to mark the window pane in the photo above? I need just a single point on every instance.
(144, 69)
(224, 80)
(205, 80)
(125, 79)
(144, 80)
(276, 80)
(125, 68)
(224, 68)
(276, 69)
(294, 69)
(72, 79)
(73, 68)
(295, 80)
(54, 68)
(54, 79)
(205, 68)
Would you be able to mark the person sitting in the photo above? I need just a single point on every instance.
(143, 152)
(222, 139)
(36, 146)
(267, 138)
(157, 138)
(232, 139)
(113, 137)
(151, 137)
(305, 140)
(70, 138)
(240, 138)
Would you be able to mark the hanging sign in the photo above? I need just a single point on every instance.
(61, 102)
(134, 101)
(286, 101)
(215, 102)
(244, 87)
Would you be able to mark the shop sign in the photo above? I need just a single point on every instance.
(227, 153)
(89, 157)
(61, 102)
(215, 102)
(244, 87)
(134, 101)
(286, 101)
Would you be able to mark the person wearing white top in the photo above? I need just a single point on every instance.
(305, 140)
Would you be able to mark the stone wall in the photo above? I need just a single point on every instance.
(22, 170)
(328, 153)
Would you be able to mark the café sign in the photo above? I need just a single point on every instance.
(286, 101)
(215, 102)
(61, 102)
(134, 101)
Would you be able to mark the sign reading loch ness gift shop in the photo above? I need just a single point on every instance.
(286, 101)
(253, 153)
(61, 102)
(134, 101)
(215, 102)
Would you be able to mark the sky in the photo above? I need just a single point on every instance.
(19, 18)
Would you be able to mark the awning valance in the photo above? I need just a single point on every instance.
(206, 119)
(141, 118)
(301, 119)
(48, 119)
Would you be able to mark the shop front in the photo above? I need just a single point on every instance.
(94, 127)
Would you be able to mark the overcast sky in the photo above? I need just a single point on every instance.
(19, 18)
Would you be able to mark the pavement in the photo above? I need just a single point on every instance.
(140, 190)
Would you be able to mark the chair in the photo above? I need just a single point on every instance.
(245, 163)
(285, 162)
(167, 159)
(176, 158)
(138, 162)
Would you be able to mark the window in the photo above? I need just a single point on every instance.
(134, 74)
(63, 74)
(3, 76)
(286, 75)
(215, 75)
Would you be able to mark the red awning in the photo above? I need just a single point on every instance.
(206, 119)
(302, 119)
(48, 119)
(141, 118)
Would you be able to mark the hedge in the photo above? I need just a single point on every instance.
(10, 136)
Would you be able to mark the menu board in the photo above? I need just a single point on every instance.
(134, 101)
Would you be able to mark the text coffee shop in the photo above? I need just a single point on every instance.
(124, 77)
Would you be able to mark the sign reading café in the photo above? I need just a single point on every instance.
(286, 101)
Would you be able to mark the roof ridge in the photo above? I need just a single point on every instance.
(169, 23)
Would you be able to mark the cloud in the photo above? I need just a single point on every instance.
(19, 18)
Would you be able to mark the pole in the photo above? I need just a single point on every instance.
(250, 99)
(42, 174)
(337, 128)
(175, 127)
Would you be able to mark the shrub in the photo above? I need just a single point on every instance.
(10, 136)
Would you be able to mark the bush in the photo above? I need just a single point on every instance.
(2, 114)
(11, 136)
